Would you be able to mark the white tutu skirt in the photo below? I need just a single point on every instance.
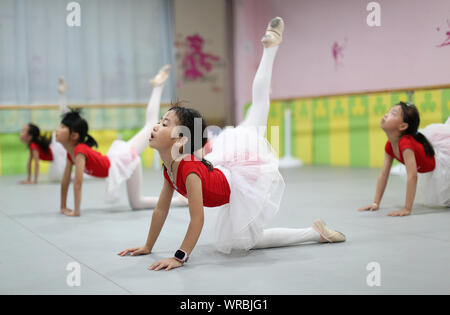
(251, 167)
(57, 166)
(124, 160)
(433, 188)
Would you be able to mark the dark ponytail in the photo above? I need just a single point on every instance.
(189, 117)
(412, 118)
(426, 144)
(76, 123)
(42, 141)
(90, 141)
(208, 164)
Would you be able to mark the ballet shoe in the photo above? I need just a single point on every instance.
(327, 235)
(274, 33)
(161, 77)
(61, 86)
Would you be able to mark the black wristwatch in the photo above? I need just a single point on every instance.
(181, 256)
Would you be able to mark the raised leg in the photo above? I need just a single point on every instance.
(140, 141)
(259, 110)
(63, 106)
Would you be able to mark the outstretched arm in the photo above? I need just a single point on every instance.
(65, 182)
(195, 197)
(381, 184)
(28, 180)
(383, 178)
(158, 219)
(35, 157)
(159, 215)
(80, 164)
(411, 184)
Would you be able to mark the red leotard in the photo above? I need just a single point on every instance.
(96, 164)
(425, 163)
(46, 156)
(215, 187)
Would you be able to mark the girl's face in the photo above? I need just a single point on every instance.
(62, 134)
(24, 136)
(165, 133)
(393, 120)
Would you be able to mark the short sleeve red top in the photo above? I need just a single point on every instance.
(96, 164)
(425, 163)
(215, 187)
(46, 156)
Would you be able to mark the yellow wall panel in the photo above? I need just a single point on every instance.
(303, 130)
(429, 105)
(147, 157)
(379, 104)
(43, 167)
(339, 131)
(104, 139)
(275, 127)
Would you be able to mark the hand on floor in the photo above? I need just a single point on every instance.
(372, 207)
(70, 213)
(400, 213)
(169, 263)
(137, 251)
(27, 182)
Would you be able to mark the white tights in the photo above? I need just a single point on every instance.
(278, 237)
(259, 111)
(139, 142)
(137, 201)
(57, 166)
(63, 106)
(257, 117)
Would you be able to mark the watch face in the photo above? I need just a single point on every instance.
(180, 254)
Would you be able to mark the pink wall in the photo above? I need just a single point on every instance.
(401, 53)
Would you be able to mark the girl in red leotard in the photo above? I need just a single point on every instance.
(425, 154)
(122, 162)
(39, 146)
(45, 148)
(240, 174)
